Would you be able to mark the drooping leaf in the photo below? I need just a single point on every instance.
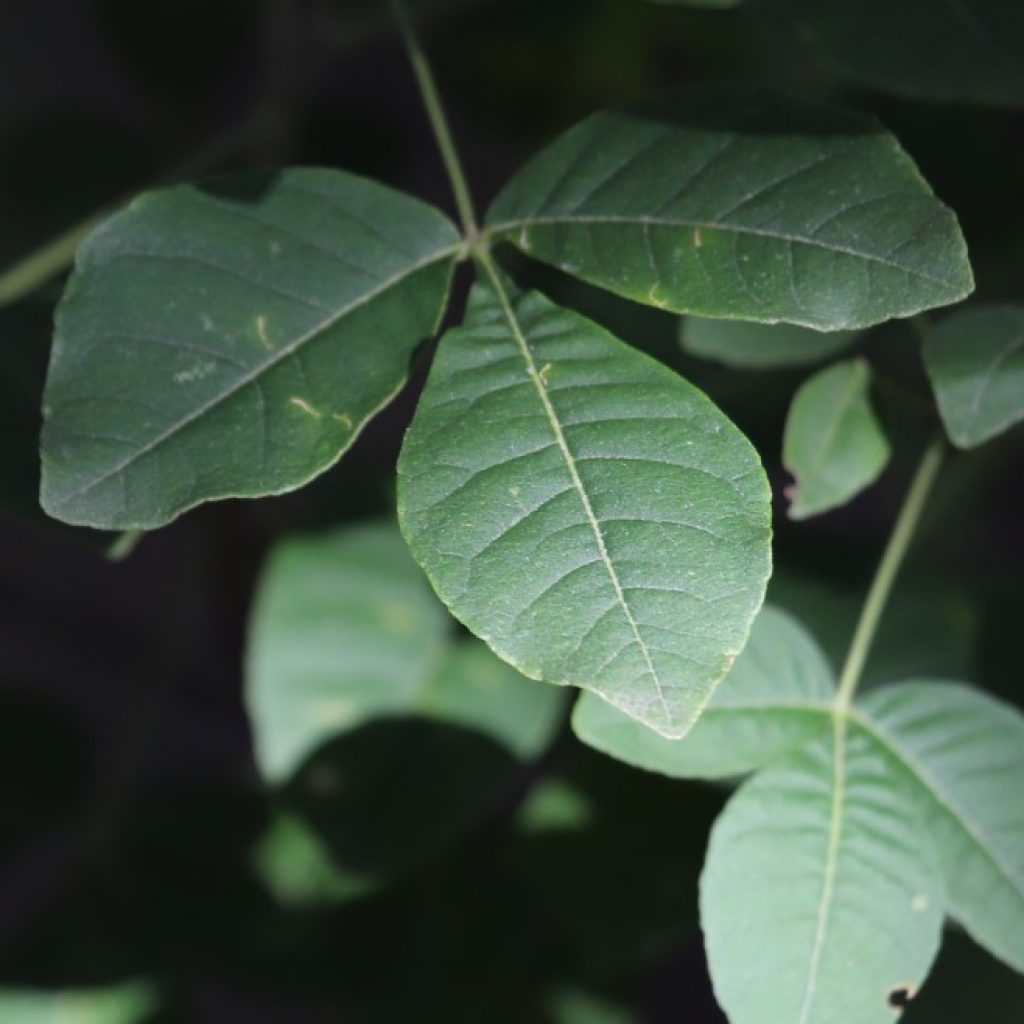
(383, 734)
(975, 359)
(776, 697)
(819, 902)
(752, 346)
(128, 1003)
(583, 509)
(965, 754)
(833, 444)
(344, 629)
(734, 202)
(231, 340)
(957, 50)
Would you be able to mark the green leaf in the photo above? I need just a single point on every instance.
(777, 697)
(959, 50)
(383, 733)
(975, 359)
(344, 629)
(734, 202)
(751, 346)
(231, 340)
(965, 754)
(583, 509)
(129, 1003)
(833, 445)
(819, 901)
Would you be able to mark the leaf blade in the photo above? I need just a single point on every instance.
(833, 443)
(776, 697)
(752, 346)
(817, 900)
(975, 362)
(209, 342)
(965, 754)
(732, 202)
(590, 496)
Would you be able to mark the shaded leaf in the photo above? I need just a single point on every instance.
(734, 202)
(957, 50)
(965, 754)
(583, 509)
(833, 444)
(755, 346)
(818, 900)
(231, 340)
(975, 360)
(777, 697)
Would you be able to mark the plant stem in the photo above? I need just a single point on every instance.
(888, 567)
(438, 121)
(50, 259)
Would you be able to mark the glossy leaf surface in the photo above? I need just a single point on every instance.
(753, 346)
(975, 360)
(833, 443)
(776, 697)
(583, 509)
(729, 201)
(231, 340)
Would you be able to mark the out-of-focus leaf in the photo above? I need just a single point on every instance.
(129, 1003)
(833, 445)
(586, 511)
(734, 202)
(975, 359)
(753, 346)
(957, 50)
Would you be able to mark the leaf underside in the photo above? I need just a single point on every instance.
(735, 202)
(753, 346)
(231, 340)
(583, 509)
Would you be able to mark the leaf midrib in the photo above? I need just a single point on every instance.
(288, 349)
(509, 227)
(570, 463)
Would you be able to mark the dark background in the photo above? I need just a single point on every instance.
(130, 807)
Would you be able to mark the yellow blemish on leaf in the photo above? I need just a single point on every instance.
(655, 297)
(301, 403)
(524, 237)
(542, 374)
(261, 331)
(343, 418)
(698, 238)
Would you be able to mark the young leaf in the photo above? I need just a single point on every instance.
(965, 754)
(819, 901)
(751, 346)
(975, 359)
(777, 697)
(735, 202)
(344, 629)
(967, 50)
(231, 340)
(583, 509)
(833, 445)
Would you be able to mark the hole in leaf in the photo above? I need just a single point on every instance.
(900, 997)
